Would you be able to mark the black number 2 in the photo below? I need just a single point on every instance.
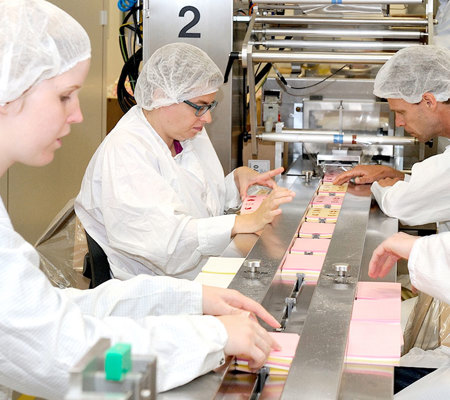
(184, 32)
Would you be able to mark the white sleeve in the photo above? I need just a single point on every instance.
(424, 198)
(429, 265)
(153, 226)
(138, 297)
(44, 333)
(233, 197)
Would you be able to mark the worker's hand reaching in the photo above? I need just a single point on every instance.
(245, 177)
(389, 252)
(247, 339)
(266, 212)
(388, 182)
(218, 301)
(363, 174)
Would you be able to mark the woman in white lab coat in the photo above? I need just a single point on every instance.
(154, 194)
(44, 59)
(429, 270)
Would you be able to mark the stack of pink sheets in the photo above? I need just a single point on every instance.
(375, 335)
(279, 361)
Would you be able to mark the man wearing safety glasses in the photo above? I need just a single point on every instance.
(154, 194)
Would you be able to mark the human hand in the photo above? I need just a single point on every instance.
(218, 301)
(246, 177)
(388, 182)
(247, 339)
(389, 252)
(266, 212)
(368, 174)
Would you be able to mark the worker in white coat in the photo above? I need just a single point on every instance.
(44, 59)
(416, 82)
(429, 270)
(154, 193)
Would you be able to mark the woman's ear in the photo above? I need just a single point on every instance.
(14, 106)
(430, 100)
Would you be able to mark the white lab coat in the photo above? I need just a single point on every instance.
(429, 270)
(44, 330)
(429, 265)
(151, 212)
(423, 197)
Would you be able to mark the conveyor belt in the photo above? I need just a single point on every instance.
(322, 313)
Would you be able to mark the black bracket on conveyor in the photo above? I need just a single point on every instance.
(262, 375)
(291, 301)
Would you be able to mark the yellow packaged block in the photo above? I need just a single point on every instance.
(324, 215)
(332, 190)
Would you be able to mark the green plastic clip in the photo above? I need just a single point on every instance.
(117, 361)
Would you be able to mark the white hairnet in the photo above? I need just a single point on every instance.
(413, 71)
(38, 41)
(174, 73)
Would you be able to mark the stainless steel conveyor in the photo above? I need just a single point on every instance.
(322, 313)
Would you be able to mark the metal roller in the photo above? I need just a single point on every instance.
(296, 20)
(319, 2)
(290, 56)
(360, 33)
(289, 136)
(333, 44)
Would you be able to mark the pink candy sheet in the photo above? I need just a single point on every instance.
(310, 246)
(316, 230)
(374, 342)
(303, 262)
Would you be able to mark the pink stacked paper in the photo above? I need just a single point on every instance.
(373, 342)
(332, 190)
(378, 290)
(316, 230)
(305, 264)
(381, 310)
(375, 335)
(279, 361)
(310, 246)
(251, 203)
(327, 201)
(322, 215)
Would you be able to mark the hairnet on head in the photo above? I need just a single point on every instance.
(413, 71)
(174, 73)
(38, 41)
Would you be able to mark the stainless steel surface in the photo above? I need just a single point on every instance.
(359, 33)
(334, 44)
(321, 350)
(274, 241)
(289, 137)
(296, 20)
(356, 58)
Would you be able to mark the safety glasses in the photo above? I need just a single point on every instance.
(201, 110)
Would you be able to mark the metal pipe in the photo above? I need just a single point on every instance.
(327, 2)
(334, 44)
(290, 56)
(292, 136)
(295, 20)
(379, 33)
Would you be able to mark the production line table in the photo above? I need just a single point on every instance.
(322, 312)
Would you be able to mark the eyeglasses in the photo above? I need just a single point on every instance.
(201, 110)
